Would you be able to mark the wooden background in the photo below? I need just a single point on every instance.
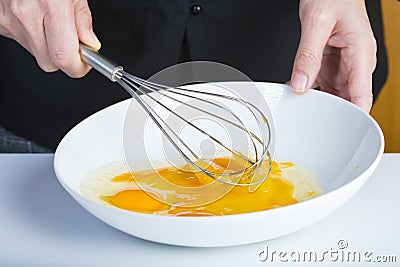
(386, 109)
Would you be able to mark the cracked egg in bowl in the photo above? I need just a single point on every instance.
(326, 149)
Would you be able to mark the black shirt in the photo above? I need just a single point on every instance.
(257, 37)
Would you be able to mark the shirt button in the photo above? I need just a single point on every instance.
(196, 9)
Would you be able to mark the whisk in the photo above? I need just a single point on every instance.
(207, 104)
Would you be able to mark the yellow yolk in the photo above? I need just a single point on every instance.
(276, 191)
(134, 200)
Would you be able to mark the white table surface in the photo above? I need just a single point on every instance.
(41, 225)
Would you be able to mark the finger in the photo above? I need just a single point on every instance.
(38, 48)
(360, 67)
(83, 23)
(26, 27)
(316, 30)
(332, 77)
(62, 38)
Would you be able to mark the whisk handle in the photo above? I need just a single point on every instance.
(99, 62)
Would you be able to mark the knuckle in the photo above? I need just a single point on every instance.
(49, 68)
(307, 57)
(46, 66)
(319, 17)
(61, 59)
(368, 46)
(367, 41)
(373, 44)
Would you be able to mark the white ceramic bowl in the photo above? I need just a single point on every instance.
(338, 141)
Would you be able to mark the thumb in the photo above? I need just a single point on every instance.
(83, 24)
(315, 32)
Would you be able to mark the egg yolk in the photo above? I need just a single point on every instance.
(134, 200)
(275, 191)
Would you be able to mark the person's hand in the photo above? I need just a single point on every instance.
(50, 30)
(337, 50)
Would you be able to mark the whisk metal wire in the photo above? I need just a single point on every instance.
(136, 87)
